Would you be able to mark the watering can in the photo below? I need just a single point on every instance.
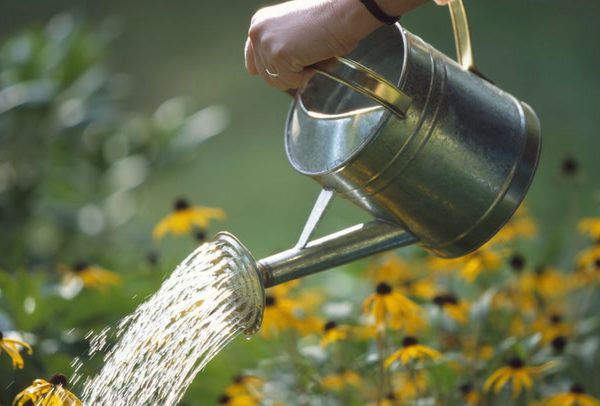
(433, 150)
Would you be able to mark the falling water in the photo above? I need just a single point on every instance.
(210, 298)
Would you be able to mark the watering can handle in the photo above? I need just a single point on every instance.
(374, 86)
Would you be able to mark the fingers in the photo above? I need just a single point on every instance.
(278, 74)
(249, 58)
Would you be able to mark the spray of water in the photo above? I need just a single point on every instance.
(210, 298)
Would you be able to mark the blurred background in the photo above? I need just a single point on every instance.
(111, 110)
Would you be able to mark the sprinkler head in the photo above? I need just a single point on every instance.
(251, 289)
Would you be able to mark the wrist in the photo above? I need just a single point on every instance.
(355, 22)
(398, 7)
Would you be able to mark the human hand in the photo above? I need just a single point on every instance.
(286, 39)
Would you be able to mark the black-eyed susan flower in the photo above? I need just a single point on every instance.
(388, 268)
(409, 386)
(388, 307)
(184, 217)
(469, 395)
(332, 332)
(341, 380)
(52, 392)
(551, 326)
(412, 351)
(11, 347)
(590, 226)
(569, 166)
(239, 400)
(520, 226)
(559, 343)
(546, 282)
(91, 276)
(588, 265)
(576, 396)
(396, 272)
(456, 309)
(471, 265)
(517, 262)
(245, 385)
(283, 312)
(520, 374)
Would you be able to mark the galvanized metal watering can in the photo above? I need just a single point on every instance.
(437, 154)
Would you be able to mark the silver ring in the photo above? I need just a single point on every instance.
(273, 75)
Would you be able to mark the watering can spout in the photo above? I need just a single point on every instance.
(336, 249)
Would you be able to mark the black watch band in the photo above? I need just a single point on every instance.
(378, 13)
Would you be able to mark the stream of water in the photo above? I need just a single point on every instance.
(210, 298)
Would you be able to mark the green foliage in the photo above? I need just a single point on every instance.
(71, 165)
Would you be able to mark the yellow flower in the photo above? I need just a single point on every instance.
(521, 375)
(591, 227)
(245, 385)
(53, 392)
(283, 312)
(588, 266)
(471, 265)
(411, 351)
(389, 268)
(333, 332)
(547, 282)
(184, 217)
(238, 400)
(552, 326)
(91, 276)
(387, 306)
(279, 313)
(342, 379)
(409, 386)
(521, 225)
(11, 347)
(469, 394)
(456, 309)
(574, 397)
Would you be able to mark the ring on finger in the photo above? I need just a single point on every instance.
(272, 74)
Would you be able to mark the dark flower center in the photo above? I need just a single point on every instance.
(181, 204)
(570, 166)
(409, 340)
(597, 263)
(200, 235)
(1, 336)
(238, 379)
(444, 299)
(556, 318)
(270, 301)
(383, 289)
(58, 379)
(516, 363)
(576, 388)
(152, 257)
(559, 343)
(330, 325)
(517, 262)
(390, 396)
(80, 266)
(466, 388)
(223, 399)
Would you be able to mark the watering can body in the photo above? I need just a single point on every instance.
(428, 144)
(435, 152)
